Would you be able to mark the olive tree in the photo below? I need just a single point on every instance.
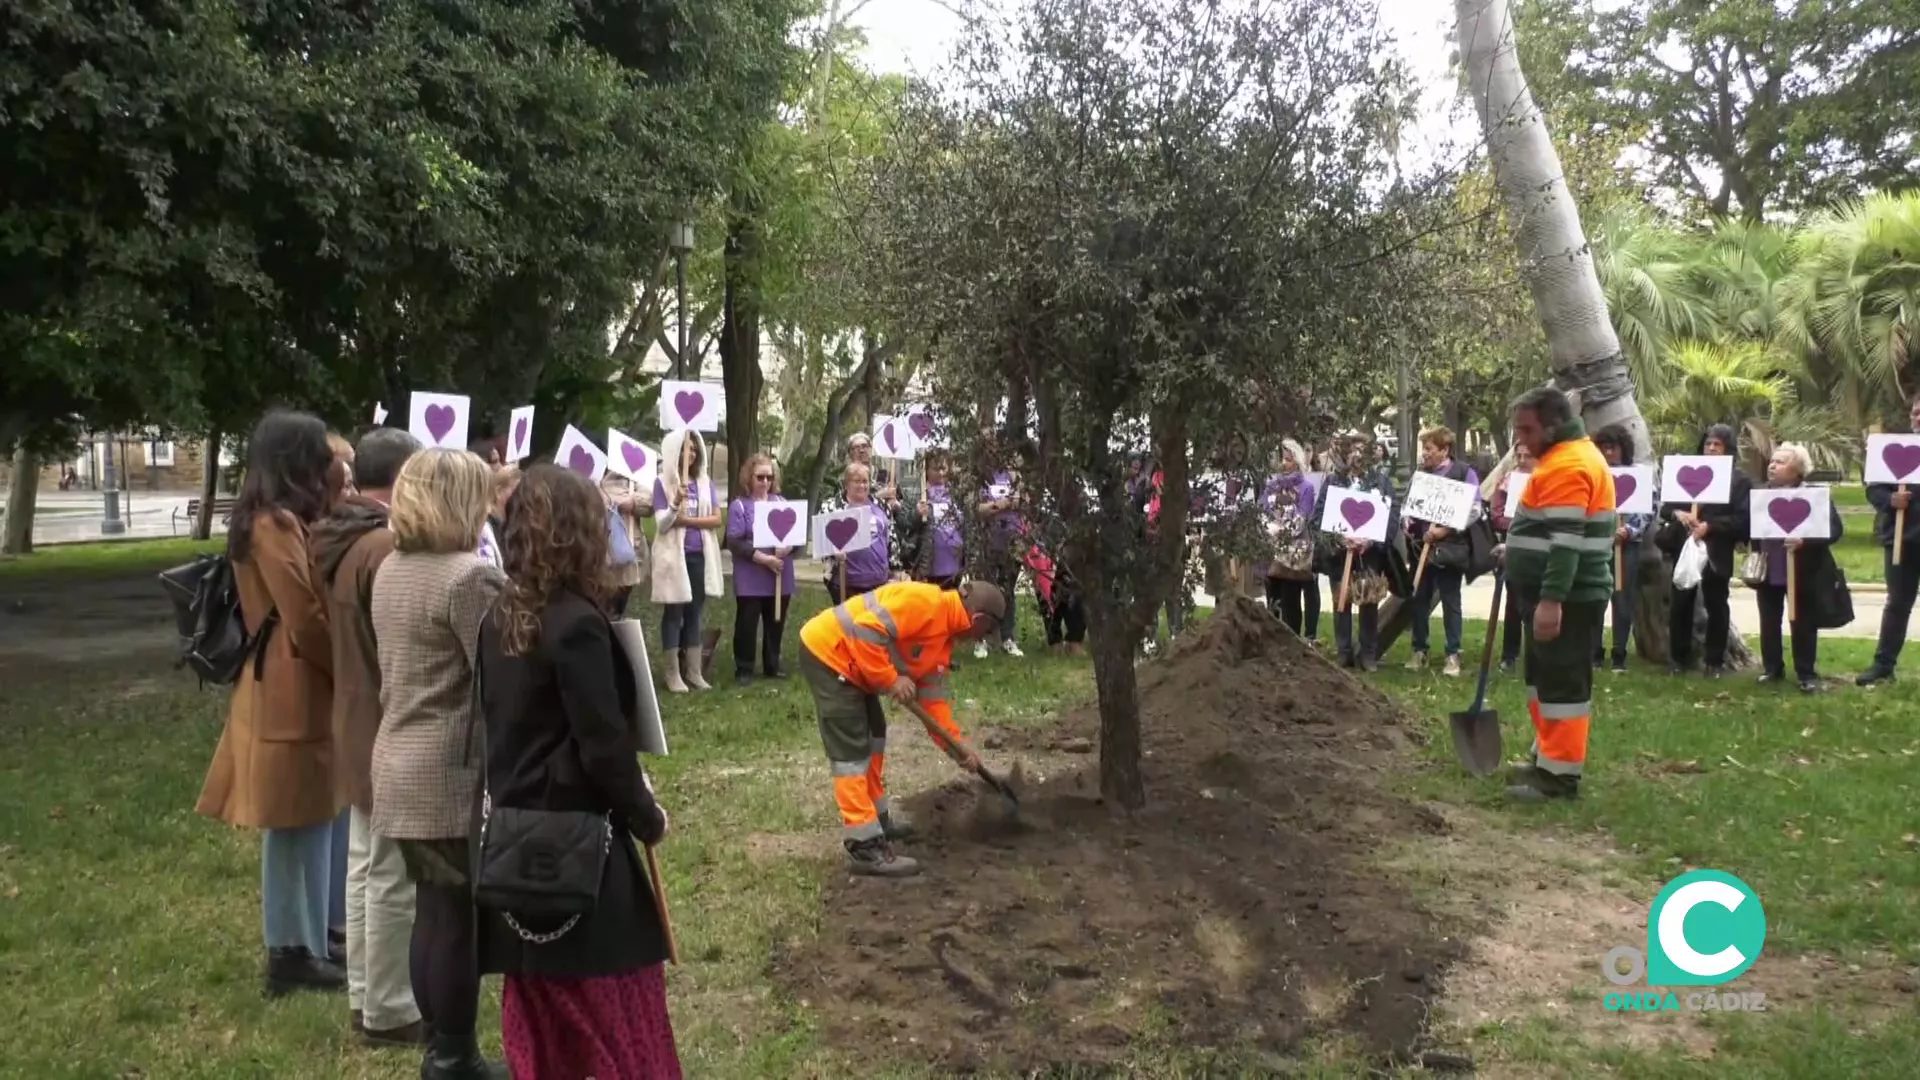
(1138, 216)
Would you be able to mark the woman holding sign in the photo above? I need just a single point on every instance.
(686, 554)
(1812, 573)
(758, 573)
(1895, 517)
(1368, 585)
(932, 547)
(1441, 581)
(1616, 445)
(862, 569)
(1720, 527)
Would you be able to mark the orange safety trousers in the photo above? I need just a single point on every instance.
(860, 790)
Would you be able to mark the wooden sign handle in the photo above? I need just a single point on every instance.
(660, 905)
(779, 583)
(1899, 529)
(1346, 581)
(1793, 591)
(1426, 550)
(1619, 565)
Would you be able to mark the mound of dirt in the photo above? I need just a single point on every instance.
(1238, 911)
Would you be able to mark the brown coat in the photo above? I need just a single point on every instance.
(273, 767)
(348, 549)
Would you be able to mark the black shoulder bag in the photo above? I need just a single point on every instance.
(539, 864)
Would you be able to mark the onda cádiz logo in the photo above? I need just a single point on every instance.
(1705, 929)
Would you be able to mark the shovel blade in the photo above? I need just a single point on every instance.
(1476, 739)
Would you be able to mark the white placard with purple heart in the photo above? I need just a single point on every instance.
(439, 419)
(842, 531)
(1799, 513)
(578, 453)
(1633, 489)
(779, 524)
(627, 457)
(1696, 478)
(379, 413)
(1360, 515)
(520, 435)
(1511, 488)
(696, 405)
(929, 428)
(894, 439)
(1893, 459)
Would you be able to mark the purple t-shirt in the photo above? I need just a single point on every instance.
(1005, 525)
(696, 540)
(871, 566)
(948, 546)
(749, 577)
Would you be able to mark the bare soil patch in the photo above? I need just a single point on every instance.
(1241, 910)
(47, 622)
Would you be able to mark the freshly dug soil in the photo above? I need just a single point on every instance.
(1238, 911)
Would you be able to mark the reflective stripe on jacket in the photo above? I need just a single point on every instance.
(1561, 544)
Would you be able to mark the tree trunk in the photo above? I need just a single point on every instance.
(1555, 258)
(209, 485)
(22, 492)
(1113, 644)
(740, 370)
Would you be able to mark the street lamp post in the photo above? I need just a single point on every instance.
(682, 244)
(113, 524)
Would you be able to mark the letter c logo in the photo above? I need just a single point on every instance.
(1673, 928)
(1706, 927)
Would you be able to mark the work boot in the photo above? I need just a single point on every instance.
(294, 969)
(1542, 786)
(457, 1057)
(898, 826)
(1417, 662)
(1873, 676)
(690, 668)
(670, 674)
(875, 858)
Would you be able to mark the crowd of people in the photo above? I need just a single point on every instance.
(435, 657)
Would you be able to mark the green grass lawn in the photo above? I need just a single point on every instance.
(129, 927)
(108, 558)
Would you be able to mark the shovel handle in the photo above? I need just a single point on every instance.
(1486, 651)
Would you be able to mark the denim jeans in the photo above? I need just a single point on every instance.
(296, 887)
(680, 623)
(1447, 584)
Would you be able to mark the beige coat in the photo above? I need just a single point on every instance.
(273, 767)
(670, 582)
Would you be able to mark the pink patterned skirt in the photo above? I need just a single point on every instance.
(612, 1027)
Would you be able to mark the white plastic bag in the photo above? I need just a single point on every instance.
(1690, 565)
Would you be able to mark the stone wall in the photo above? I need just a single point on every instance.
(146, 467)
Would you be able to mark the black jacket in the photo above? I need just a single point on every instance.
(1727, 526)
(1817, 575)
(559, 737)
(1878, 495)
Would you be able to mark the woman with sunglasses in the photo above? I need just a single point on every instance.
(757, 574)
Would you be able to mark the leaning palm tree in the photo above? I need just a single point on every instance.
(1555, 259)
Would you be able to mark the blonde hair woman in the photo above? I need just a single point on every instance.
(428, 602)
(758, 573)
(686, 554)
(505, 479)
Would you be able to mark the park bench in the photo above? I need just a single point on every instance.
(222, 509)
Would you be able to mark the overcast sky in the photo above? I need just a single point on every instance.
(915, 35)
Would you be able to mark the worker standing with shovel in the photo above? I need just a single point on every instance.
(896, 640)
(1560, 560)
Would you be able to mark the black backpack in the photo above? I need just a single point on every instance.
(206, 610)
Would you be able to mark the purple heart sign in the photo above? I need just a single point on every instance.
(1624, 486)
(780, 522)
(688, 404)
(1357, 512)
(520, 433)
(886, 436)
(1789, 513)
(1694, 479)
(634, 455)
(581, 461)
(439, 421)
(840, 532)
(1902, 459)
(921, 424)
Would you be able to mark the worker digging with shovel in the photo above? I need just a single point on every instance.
(898, 641)
(1559, 557)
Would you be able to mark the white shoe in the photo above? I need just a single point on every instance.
(1012, 647)
(979, 650)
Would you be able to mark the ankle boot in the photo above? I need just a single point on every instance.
(457, 1057)
(670, 674)
(690, 669)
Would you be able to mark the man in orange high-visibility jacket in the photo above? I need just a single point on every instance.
(896, 640)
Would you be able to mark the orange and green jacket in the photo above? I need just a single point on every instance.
(907, 628)
(1560, 546)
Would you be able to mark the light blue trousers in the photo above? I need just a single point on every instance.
(303, 885)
